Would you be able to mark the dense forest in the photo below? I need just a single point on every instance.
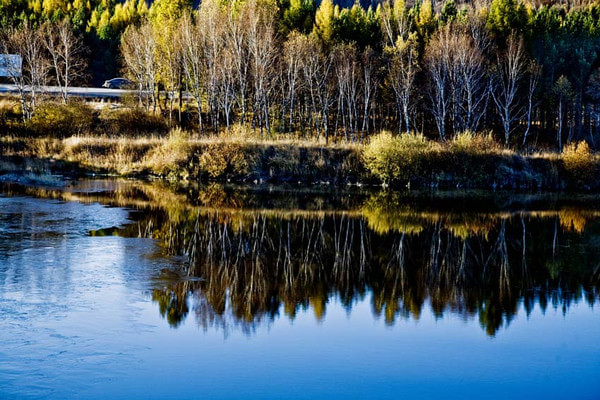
(526, 71)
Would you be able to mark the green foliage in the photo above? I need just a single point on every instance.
(506, 16)
(358, 26)
(563, 90)
(390, 157)
(325, 18)
(299, 16)
(14, 12)
(347, 25)
(449, 11)
(164, 13)
(424, 19)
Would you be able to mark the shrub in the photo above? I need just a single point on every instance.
(131, 122)
(391, 157)
(10, 111)
(469, 142)
(54, 119)
(219, 159)
(170, 155)
(43, 147)
(579, 160)
(470, 158)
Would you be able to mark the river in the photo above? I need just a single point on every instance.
(115, 289)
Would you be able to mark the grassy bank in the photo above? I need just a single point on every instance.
(182, 156)
(130, 142)
(468, 162)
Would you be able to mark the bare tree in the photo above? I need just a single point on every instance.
(459, 75)
(14, 69)
(471, 77)
(193, 61)
(370, 82)
(535, 72)
(294, 51)
(31, 75)
(326, 90)
(312, 68)
(67, 55)
(437, 61)
(402, 73)
(237, 38)
(263, 51)
(346, 72)
(226, 81)
(401, 48)
(563, 90)
(394, 21)
(211, 27)
(138, 49)
(507, 81)
(317, 73)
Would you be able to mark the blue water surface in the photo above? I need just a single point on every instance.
(77, 321)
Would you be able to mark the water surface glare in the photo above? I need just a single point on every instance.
(126, 290)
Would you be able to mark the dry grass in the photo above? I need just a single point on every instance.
(233, 152)
(468, 160)
(476, 143)
(545, 155)
(8, 102)
(240, 134)
(168, 156)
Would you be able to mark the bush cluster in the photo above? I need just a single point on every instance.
(579, 160)
(77, 118)
(473, 143)
(395, 157)
(218, 160)
(62, 120)
(170, 156)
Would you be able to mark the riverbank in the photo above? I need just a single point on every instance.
(473, 163)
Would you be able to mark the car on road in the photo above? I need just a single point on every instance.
(118, 83)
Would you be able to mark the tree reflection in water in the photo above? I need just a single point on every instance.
(252, 256)
(257, 263)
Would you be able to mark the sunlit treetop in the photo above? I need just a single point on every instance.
(324, 20)
(165, 12)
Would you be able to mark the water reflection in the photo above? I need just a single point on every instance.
(254, 255)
